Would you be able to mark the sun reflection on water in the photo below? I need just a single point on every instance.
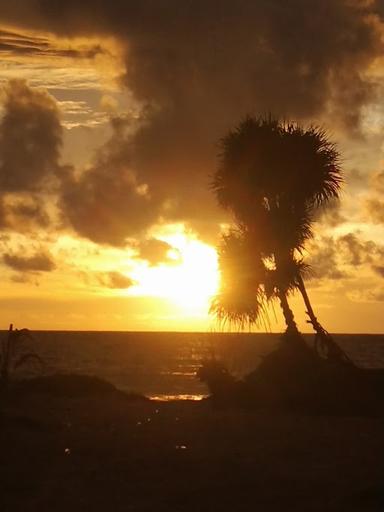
(167, 398)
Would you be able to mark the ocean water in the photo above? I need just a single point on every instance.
(163, 365)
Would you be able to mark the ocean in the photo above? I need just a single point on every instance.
(163, 365)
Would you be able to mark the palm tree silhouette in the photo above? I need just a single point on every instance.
(243, 296)
(249, 283)
(272, 176)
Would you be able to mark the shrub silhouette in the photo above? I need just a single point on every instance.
(14, 355)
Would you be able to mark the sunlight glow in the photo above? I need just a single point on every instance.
(189, 283)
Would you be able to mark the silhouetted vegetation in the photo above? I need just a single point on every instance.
(272, 176)
(294, 378)
(14, 354)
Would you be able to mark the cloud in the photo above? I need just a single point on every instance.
(317, 51)
(379, 269)
(30, 143)
(38, 262)
(79, 113)
(19, 44)
(107, 203)
(195, 69)
(323, 260)
(114, 280)
(23, 212)
(108, 103)
(156, 252)
(377, 182)
(30, 138)
(330, 214)
(374, 209)
(338, 257)
(356, 252)
(355, 178)
(374, 204)
(22, 278)
(368, 295)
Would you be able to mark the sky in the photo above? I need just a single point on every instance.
(110, 117)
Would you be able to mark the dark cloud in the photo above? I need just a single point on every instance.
(379, 269)
(356, 252)
(295, 56)
(114, 280)
(30, 142)
(30, 138)
(330, 256)
(108, 203)
(38, 262)
(230, 56)
(156, 252)
(23, 212)
(323, 260)
(197, 68)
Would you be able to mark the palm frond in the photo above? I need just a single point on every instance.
(234, 308)
(241, 300)
(264, 158)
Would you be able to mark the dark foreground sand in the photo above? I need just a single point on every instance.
(107, 453)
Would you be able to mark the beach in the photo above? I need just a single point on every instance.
(113, 452)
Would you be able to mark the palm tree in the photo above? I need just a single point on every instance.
(272, 175)
(250, 283)
(243, 297)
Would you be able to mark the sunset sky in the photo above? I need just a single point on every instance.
(110, 114)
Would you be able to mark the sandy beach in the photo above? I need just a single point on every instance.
(109, 452)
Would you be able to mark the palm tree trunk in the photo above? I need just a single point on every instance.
(288, 314)
(292, 330)
(333, 351)
(311, 314)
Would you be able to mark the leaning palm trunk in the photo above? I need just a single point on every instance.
(323, 340)
(288, 313)
(282, 292)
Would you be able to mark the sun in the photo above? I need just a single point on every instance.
(190, 282)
